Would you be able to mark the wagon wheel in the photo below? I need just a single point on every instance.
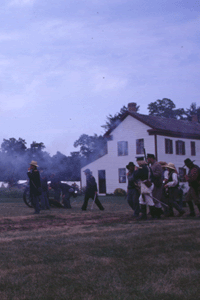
(27, 198)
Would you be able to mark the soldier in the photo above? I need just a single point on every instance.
(164, 197)
(44, 196)
(144, 175)
(55, 182)
(157, 180)
(171, 185)
(35, 185)
(193, 178)
(67, 191)
(91, 191)
(132, 190)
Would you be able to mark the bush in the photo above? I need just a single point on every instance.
(119, 192)
(11, 193)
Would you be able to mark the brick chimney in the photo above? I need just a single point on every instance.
(194, 118)
(132, 107)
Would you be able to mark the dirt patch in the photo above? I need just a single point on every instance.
(38, 222)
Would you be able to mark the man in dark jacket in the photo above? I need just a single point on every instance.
(144, 177)
(44, 185)
(193, 179)
(132, 190)
(35, 185)
(91, 191)
(55, 182)
(67, 191)
(157, 181)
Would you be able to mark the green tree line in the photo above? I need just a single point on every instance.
(15, 156)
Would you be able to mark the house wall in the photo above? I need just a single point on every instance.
(178, 160)
(129, 130)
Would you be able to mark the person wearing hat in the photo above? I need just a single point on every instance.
(91, 190)
(193, 179)
(67, 192)
(171, 185)
(35, 185)
(44, 186)
(165, 170)
(132, 190)
(157, 180)
(165, 194)
(55, 185)
(144, 177)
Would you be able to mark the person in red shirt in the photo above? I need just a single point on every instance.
(193, 179)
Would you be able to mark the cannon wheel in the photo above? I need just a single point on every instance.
(27, 198)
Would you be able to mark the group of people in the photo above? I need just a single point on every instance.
(39, 189)
(155, 185)
(151, 184)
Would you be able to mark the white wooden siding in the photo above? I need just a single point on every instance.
(178, 160)
(130, 130)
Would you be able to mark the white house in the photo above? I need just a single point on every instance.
(169, 140)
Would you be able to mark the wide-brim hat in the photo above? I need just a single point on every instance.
(34, 163)
(87, 171)
(163, 164)
(171, 166)
(188, 161)
(131, 164)
(140, 158)
(149, 155)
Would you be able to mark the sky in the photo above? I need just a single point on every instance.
(66, 65)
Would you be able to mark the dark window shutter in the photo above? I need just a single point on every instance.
(193, 149)
(177, 147)
(183, 145)
(171, 147)
(166, 146)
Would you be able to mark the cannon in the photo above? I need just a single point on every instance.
(52, 201)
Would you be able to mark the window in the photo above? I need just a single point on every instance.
(180, 148)
(122, 148)
(193, 148)
(140, 146)
(168, 146)
(182, 173)
(122, 175)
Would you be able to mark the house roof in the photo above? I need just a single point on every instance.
(165, 126)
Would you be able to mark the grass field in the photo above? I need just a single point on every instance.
(70, 254)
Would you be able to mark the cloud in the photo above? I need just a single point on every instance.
(21, 2)
(4, 37)
(68, 67)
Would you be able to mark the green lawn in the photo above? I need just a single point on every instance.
(70, 254)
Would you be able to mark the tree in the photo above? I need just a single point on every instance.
(66, 167)
(37, 147)
(193, 110)
(113, 121)
(165, 108)
(13, 146)
(91, 147)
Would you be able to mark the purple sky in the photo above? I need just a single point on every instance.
(66, 65)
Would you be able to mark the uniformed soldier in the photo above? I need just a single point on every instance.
(35, 185)
(193, 178)
(91, 191)
(157, 181)
(132, 190)
(144, 177)
(171, 186)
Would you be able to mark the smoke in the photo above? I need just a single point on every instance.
(14, 166)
